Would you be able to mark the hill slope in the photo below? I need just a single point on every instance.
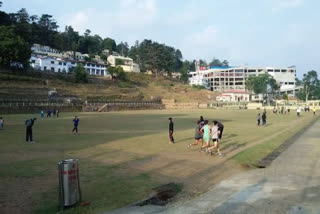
(139, 87)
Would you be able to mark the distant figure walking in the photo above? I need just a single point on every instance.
(29, 124)
(298, 111)
(49, 113)
(258, 119)
(314, 110)
(54, 112)
(1, 123)
(171, 125)
(58, 112)
(264, 119)
(42, 114)
(75, 124)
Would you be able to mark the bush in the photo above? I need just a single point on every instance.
(80, 74)
(199, 87)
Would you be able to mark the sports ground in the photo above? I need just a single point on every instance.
(123, 155)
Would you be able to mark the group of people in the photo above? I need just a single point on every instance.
(263, 117)
(54, 112)
(306, 109)
(282, 110)
(204, 133)
(30, 122)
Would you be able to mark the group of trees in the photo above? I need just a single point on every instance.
(311, 86)
(263, 84)
(18, 31)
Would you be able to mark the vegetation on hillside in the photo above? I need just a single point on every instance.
(29, 29)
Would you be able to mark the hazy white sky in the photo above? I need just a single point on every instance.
(252, 32)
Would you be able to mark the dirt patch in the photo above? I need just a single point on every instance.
(163, 195)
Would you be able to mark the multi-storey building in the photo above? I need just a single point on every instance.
(48, 63)
(233, 78)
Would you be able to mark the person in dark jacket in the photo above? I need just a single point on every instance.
(220, 129)
(264, 119)
(171, 130)
(29, 123)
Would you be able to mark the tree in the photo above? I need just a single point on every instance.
(215, 62)
(285, 97)
(117, 72)
(109, 44)
(13, 48)
(80, 74)
(262, 84)
(310, 84)
(123, 49)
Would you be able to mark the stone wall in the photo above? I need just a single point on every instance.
(121, 105)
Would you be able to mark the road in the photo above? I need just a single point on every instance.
(290, 185)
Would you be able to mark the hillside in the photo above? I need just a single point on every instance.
(139, 87)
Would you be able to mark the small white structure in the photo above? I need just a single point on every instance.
(198, 78)
(128, 65)
(234, 96)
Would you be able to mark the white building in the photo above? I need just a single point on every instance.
(128, 65)
(48, 63)
(198, 78)
(233, 78)
(46, 50)
(234, 96)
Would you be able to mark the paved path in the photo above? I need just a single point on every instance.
(290, 185)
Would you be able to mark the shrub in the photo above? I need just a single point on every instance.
(80, 74)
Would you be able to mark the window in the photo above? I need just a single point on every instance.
(283, 70)
(60, 63)
(64, 63)
(277, 70)
(270, 70)
(52, 69)
(45, 68)
(52, 62)
(72, 63)
(291, 83)
(59, 70)
(33, 61)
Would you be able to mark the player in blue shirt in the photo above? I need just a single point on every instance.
(75, 124)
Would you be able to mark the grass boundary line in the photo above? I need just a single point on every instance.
(266, 161)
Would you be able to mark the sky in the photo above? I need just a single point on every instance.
(277, 33)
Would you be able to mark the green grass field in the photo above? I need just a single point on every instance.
(123, 155)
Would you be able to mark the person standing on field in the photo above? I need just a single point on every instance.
(75, 124)
(29, 123)
(1, 123)
(171, 125)
(298, 111)
(258, 119)
(314, 111)
(42, 114)
(264, 119)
